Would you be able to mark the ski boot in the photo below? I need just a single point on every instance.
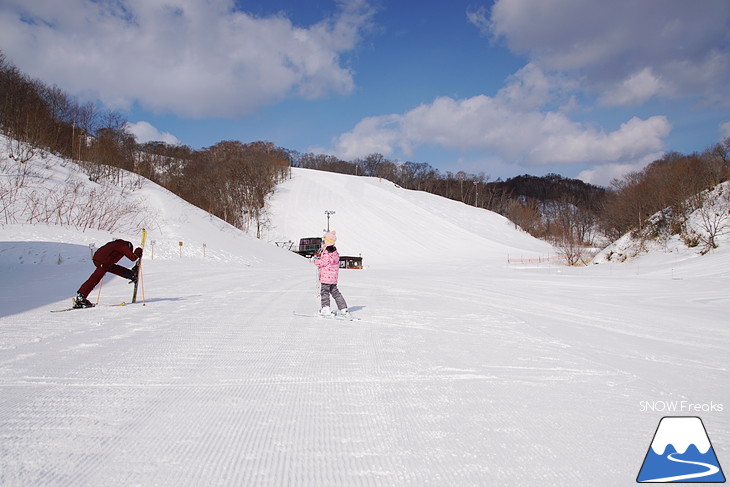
(80, 301)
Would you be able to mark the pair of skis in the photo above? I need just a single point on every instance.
(139, 269)
(136, 282)
(331, 317)
(123, 303)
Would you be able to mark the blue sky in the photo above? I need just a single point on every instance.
(587, 89)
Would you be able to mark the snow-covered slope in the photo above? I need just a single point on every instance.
(387, 224)
(713, 216)
(169, 220)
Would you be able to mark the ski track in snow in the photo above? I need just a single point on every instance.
(253, 395)
(214, 382)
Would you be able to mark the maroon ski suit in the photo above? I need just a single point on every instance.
(105, 259)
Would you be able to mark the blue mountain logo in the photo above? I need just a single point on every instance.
(681, 452)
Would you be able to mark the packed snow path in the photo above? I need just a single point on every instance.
(471, 375)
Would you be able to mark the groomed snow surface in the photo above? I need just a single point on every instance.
(463, 370)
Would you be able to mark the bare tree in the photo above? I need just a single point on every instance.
(526, 216)
(714, 216)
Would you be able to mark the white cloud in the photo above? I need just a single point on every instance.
(370, 136)
(530, 88)
(563, 141)
(480, 18)
(512, 124)
(195, 58)
(725, 130)
(146, 132)
(634, 90)
(604, 174)
(625, 50)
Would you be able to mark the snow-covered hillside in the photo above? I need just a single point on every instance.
(387, 224)
(705, 227)
(463, 370)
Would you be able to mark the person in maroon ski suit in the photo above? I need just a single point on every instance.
(105, 259)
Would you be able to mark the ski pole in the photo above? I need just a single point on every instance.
(318, 270)
(318, 287)
(141, 281)
(98, 295)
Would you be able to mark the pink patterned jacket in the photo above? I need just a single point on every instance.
(329, 267)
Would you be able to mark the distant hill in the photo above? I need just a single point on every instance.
(700, 231)
(387, 224)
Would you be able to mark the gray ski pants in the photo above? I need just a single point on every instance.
(328, 289)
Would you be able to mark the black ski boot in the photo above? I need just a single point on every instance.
(80, 301)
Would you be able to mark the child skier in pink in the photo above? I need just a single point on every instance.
(329, 268)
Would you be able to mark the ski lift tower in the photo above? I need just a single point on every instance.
(328, 213)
